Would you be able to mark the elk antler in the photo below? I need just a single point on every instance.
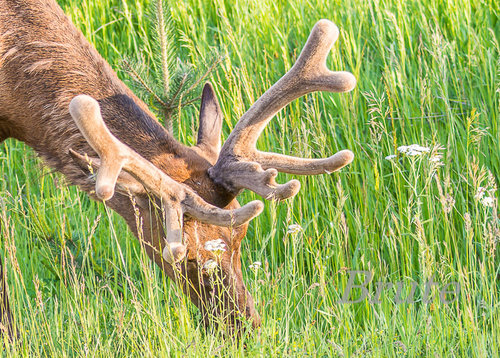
(178, 199)
(242, 166)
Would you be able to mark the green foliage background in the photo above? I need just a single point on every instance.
(428, 73)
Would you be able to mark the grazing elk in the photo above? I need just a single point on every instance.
(62, 99)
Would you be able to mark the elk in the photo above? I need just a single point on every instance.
(61, 98)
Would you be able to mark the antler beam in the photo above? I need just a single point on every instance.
(242, 166)
(177, 198)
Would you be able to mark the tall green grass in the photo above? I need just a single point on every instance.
(428, 73)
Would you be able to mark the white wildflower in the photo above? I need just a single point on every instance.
(413, 149)
(419, 148)
(391, 157)
(488, 201)
(422, 149)
(480, 193)
(216, 246)
(403, 149)
(210, 266)
(413, 153)
(294, 228)
(255, 266)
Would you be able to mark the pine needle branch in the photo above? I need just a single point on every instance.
(163, 46)
(130, 69)
(187, 103)
(179, 89)
(175, 87)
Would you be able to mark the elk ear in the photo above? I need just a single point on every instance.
(210, 122)
(125, 182)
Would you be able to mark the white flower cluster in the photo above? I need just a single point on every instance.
(216, 246)
(255, 266)
(210, 266)
(488, 201)
(480, 193)
(294, 228)
(413, 150)
(417, 150)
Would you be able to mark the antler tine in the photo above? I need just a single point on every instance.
(241, 165)
(178, 199)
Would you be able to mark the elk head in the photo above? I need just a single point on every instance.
(184, 215)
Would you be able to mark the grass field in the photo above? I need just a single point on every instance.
(428, 74)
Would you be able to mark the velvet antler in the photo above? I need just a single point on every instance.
(242, 166)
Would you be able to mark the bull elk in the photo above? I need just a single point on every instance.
(60, 97)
